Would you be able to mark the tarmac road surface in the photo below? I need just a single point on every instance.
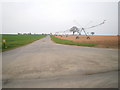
(45, 64)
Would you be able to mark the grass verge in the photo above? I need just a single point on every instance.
(69, 42)
(13, 41)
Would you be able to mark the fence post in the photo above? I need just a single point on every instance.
(4, 43)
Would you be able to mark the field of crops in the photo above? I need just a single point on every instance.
(13, 41)
(100, 41)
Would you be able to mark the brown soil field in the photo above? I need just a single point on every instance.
(101, 41)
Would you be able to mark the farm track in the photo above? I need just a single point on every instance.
(45, 64)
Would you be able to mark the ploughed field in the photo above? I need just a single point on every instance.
(100, 41)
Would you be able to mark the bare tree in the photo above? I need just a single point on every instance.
(19, 33)
(74, 29)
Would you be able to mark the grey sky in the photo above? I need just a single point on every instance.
(58, 15)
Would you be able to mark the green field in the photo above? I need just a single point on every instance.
(13, 41)
(68, 42)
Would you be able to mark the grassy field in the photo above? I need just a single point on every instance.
(69, 42)
(13, 41)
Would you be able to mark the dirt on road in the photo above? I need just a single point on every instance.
(45, 64)
(101, 41)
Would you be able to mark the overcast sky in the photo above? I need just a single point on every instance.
(45, 16)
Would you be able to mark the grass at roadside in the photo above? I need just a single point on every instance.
(13, 41)
(68, 42)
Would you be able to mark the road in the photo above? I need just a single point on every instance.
(45, 64)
